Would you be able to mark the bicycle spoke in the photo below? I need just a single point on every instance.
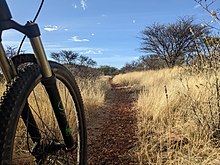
(38, 138)
(45, 125)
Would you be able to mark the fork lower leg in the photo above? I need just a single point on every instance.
(51, 88)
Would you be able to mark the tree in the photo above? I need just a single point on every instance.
(12, 51)
(108, 70)
(132, 66)
(172, 43)
(65, 56)
(69, 57)
(151, 62)
(86, 61)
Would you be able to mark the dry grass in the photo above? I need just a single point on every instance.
(2, 88)
(93, 93)
(130, 79)
(148, 78)
(177, 116)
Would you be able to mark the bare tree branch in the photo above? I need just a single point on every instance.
(172, 42)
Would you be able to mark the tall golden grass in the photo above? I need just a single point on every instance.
(2, 88)
(178, 117)
(93, 92)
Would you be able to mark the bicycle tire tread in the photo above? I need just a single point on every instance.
(8, 115)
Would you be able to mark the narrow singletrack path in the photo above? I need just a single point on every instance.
(111, 131)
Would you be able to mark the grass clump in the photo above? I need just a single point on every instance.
(178, 117)
(93, 92)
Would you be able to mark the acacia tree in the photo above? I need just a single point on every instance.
(65, 56)
(108, 70)
(86, 61)
(172, 43)
(12, 51)
(70, 57)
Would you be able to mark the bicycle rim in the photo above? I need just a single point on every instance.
(52, 150)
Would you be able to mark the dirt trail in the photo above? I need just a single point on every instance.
(111, 131)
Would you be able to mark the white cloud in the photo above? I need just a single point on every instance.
(92, 51)
(78, 39)
(197, 6)
(134, 21)
(83, 4)
(51, 28)
(53, 47)
(88, 50)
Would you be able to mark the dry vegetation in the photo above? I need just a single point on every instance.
(2, 88)
(93, 92)
(178, 117)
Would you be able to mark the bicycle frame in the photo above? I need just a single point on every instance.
(31, 30)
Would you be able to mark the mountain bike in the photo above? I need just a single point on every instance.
(41, 112)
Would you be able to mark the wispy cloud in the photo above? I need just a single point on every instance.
(75, 6)
(88, 50)
(78, 39)
(51, 28)
(83, 4)
(54, 47)
(197, 6)
(92, 51)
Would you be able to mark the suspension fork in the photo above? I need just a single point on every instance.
(49, 82)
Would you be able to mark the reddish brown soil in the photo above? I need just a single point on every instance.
(111, 131)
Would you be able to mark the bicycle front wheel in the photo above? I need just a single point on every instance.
(16, 143)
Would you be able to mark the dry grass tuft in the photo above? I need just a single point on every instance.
(93, 92)
(178, 117)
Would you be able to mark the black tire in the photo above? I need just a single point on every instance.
(13, 135)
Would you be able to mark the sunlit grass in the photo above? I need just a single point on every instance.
(177, 116)
(93, 92)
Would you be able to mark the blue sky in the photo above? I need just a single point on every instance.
(105, 30)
